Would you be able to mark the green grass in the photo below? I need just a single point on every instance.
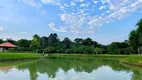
(18, 56)
(133, 60)
(88, 55)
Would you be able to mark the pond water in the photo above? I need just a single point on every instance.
(69, 69)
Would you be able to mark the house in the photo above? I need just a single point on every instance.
(5, 47)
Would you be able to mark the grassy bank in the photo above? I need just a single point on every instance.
(133, 61)
(18, 56)
(88, 55)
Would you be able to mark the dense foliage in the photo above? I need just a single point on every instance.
(52, 44)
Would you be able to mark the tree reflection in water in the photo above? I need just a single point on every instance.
(51, 66)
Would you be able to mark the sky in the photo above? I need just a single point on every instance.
(104, 21)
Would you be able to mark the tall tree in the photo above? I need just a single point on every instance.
(67, 43)
(78, 41)
(139, 27)
(139, 34)
(53, 39)
(1, 41)
(133, 40)
(88, 42)
(24, 44)
(35, 44)
(11, 41)
(44, 42)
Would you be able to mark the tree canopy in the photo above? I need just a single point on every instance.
(53, 44)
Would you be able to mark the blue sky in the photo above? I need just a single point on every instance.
(104, 21)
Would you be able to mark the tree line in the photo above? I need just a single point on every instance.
(53, 44)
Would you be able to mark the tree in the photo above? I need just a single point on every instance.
(49, 49)
(116, 47)
(87, 42)
(35, 44)
(139, 27)
(44, 42)
(67, 42)
(95, 44)
(24, 44)
(139, 34)
(11, 41)
(133, 40)
(53, 40)
(98, 50)
(78, 41)
(1, 41)
(68, 51)
(88, 50)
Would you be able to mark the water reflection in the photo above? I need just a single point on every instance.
(78, 69)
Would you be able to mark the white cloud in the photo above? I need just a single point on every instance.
(77, 22)
(75, 14)
(95, 2)
(72, 3)
(107, 11)
(78, 1)
(47, 1)
(85, 5)
(104, 1)
(53, 2)
(52, 26)
(31, 3)
(81, 0)
(1, 29)
(116, 15)
(102, 7)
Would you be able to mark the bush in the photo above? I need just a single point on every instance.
(68, 51)
(49, 50)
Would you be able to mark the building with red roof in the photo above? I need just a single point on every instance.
(4, 47)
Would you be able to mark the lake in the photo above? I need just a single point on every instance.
(69, 69)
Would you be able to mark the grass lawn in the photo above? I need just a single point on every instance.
(133, 60)
(18, 56)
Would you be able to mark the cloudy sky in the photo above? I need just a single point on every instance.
(102, 20)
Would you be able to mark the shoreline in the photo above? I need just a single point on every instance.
(14, 60)
(7, 57)
(129, 64)
(132, 60)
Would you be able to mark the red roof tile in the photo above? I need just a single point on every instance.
(7, 44)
